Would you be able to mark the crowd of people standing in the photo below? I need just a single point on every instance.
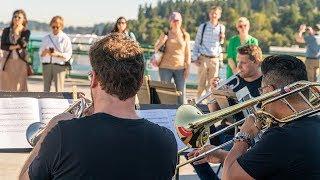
(116, 77)
(56, 51)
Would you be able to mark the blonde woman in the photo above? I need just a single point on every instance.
(14, 41)
(175, 62)
(243, 38)
(55, 51)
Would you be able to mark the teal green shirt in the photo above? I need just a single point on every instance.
(234, 43)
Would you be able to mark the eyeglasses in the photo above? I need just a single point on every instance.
(121, 22)
(55, 27)
(242, 26)
(262, 89)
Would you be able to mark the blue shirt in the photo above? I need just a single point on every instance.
(210, 42)
(313, 46)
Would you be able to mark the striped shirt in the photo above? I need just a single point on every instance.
(210, 42)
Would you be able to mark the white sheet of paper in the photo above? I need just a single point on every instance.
(16, 114)
(162, 117)
(50, 107)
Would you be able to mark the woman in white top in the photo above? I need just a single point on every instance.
(55, 51)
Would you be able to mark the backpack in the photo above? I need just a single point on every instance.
(203, 29)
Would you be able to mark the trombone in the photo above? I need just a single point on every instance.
(35, 130)
(193, 126)
(220, 86)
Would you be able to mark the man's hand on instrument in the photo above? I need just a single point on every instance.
(214, 83)
(212, 157)
(251, 126)
(89, 110)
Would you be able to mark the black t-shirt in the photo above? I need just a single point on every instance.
(102, 146)
(288, 152)
(253, 86)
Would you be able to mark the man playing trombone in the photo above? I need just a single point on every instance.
(113, 142)
(286, 150)
(249, 77)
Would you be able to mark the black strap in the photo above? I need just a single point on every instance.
(203, 29)
(55, 46)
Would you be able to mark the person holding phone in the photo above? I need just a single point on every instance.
(55, 51)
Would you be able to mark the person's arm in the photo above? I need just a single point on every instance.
(187, 59)
(24, 173)
(230, 51)
(43, 50)
(299, 36)
(196, 46)
(4, 43)
(222, 34)
(24, 39)
(231, 168)
(160, 42)
(215, 157)
(66, 53)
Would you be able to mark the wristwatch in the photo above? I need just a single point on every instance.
(243, 136)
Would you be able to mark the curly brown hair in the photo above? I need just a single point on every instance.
(253, 51)
(118, 62)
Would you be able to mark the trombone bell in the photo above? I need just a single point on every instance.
(33, 132)
(190, 136)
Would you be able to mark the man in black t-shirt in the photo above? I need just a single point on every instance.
(113, 142)
(289, 151)
(249, 60)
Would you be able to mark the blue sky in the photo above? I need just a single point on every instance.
(75, 12)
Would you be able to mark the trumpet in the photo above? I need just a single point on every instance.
(193, 126)
(35, 130)
(220, 86)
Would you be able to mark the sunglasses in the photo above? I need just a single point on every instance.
(55, 27)
(242, 26)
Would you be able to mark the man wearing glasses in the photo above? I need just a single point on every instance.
(287, 151)
(249, 61)
(113, 142)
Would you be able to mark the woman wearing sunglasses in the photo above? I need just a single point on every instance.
(243, 38)
(121, 27)
(14, 62)
(55, 52)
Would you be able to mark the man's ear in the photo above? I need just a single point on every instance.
(95, 80)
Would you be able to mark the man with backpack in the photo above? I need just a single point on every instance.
(207, 49)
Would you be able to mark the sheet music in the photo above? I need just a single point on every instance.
(50, 107)
(162, 117)
(16, 114)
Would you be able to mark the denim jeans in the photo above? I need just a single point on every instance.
(178, 78)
